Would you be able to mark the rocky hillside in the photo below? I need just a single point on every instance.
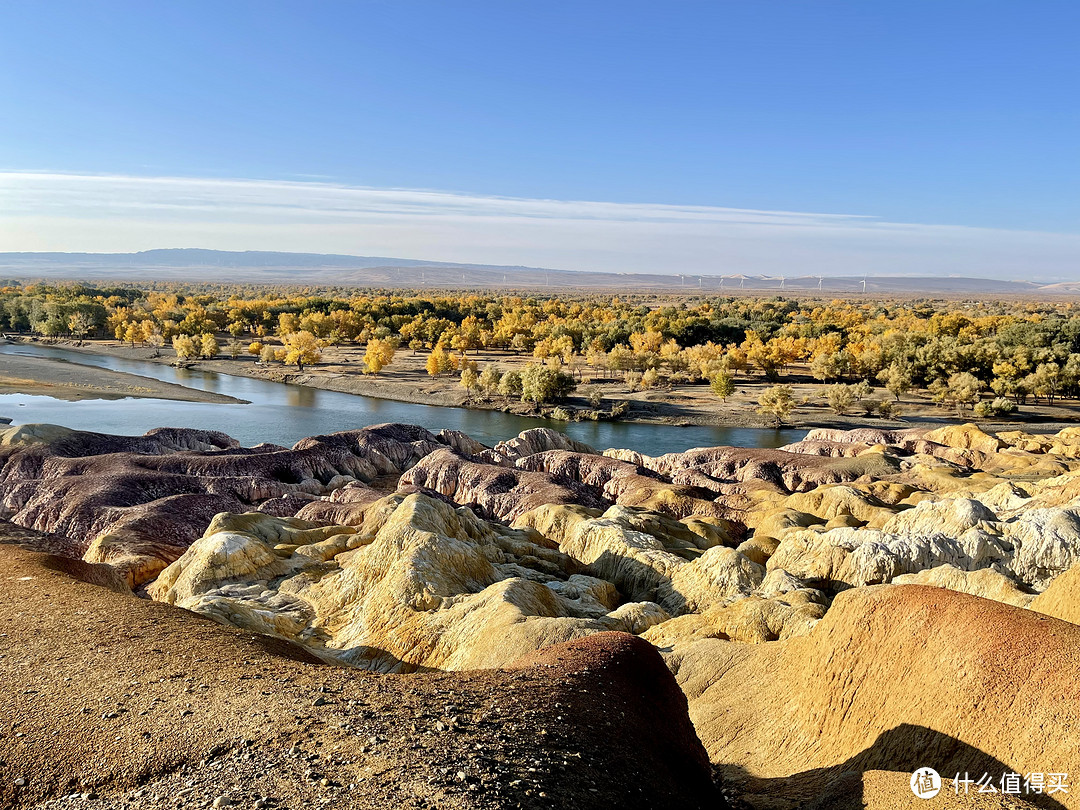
(837, 612)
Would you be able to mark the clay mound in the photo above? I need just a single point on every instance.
(824, 448)
(791, 472)
(966, 437)
(137, 502)
(679, 565)
(37, 541)
(1061, 599)
(137, 703)
(984, 582)
(862, 435)
(627, 484)
(64, 441)
(530, 442)
(500, 493)
(892, 679)
(419, 584)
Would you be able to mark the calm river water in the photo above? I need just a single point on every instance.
(283, 414)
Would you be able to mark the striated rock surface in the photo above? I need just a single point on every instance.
(499, 492)
(761, 576)
(630, 485)
(417, 585)
(138, 502)
(531, 442)
(649, 557)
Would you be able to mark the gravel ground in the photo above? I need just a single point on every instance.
(110, 701)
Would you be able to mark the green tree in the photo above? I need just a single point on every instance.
(896, 379)
(470, 380)
(510, 384)
(489, 379)
(80, 324)
(722, 385)
(777, 402)
(541, 383)
(961, 389)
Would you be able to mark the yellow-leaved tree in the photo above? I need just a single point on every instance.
(301, 347)
(379, 354)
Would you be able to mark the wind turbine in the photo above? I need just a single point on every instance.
(819, 280)
(864, 283)
(721, 282)
(782, 280)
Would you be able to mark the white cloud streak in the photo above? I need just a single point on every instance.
(114, 213)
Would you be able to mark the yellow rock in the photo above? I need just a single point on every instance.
(965, 437)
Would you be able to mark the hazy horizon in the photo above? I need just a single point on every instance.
(53, 212)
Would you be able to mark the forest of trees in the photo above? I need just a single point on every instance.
(1014, 352)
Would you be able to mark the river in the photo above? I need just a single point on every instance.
(284, 414)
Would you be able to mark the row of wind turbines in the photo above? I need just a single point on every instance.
(682, 280)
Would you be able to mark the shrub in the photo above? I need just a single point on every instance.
(999, 406)
(650, 379)
(541, 384)
(890, 410)
(840, 397)
(1002, 406)
(593, 395)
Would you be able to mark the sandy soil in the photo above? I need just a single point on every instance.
(42, 376)
(407, 380)
(111, 701)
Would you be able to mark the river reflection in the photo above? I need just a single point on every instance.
(284, 414)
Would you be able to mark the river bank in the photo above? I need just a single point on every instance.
(71, 382)
(406, 380)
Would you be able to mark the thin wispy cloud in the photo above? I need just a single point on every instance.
(112, 213)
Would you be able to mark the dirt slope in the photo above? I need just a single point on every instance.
(892, 679)
(138, 704)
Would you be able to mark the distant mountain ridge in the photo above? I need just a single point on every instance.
(326, 269)
(188, 257)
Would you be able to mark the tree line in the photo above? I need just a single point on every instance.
(959, 352)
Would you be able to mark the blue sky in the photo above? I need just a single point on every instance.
(950, 115)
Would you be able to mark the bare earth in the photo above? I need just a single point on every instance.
(42, 376)
(111, 701)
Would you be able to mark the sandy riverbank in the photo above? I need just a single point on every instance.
(406, 380)
(41, 376)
